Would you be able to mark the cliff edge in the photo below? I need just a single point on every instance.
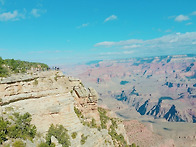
(53, 100)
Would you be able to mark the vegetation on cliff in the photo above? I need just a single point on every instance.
(109, 123)
(17, 126)
(9, 66)
(118, 139)
(60, 133)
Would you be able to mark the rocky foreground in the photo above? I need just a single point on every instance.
(52, 98)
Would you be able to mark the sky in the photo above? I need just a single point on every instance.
(77, 31)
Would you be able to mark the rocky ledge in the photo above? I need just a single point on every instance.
(52, 98)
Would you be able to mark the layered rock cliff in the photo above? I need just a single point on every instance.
(52, 98)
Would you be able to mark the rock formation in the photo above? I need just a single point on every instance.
(52, 98)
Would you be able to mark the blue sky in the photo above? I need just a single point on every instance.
(75, 31)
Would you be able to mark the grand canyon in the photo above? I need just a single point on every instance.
(159, 91)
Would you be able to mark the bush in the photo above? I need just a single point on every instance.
(103, 117)
(93, 123)
(18, 143)
(114, 124)
(117, 138)
(3, 130)
(22, 127)
(55, 78)
(35, 83)
(3, 71)
(78, 113)
(19, 128)
(83, 139)
(133, 145)
(73, 135)
(44, 144)
(9, 66)
(60, 133)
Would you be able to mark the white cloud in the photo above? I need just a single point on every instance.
(131, 41)
(11, 16)
(105, 43)
(120, 43)
(83, 25)
(190, 23)
(128, 52)
(193, 13)
(181, 18)
(168, 44)
(110, 53)
(131, 46)
(194, 42)
(37, 12)
(116, 53)
(112, 17)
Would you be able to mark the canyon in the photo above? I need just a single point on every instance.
(157, 91)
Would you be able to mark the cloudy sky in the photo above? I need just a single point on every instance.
(75, 31)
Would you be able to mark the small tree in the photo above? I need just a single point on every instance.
(22, 127)
(3, 130)
(60, 133)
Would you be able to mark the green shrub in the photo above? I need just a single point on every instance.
(81, 84)
(99, 128)
(6, 145)
(35, 83)
(133, 145)
(9, 109)
(44, 144)
(3, 70)
(55, 78)
(21, 128)
(83, 139)
(93, 123)
(3, 130)
(114, 123)
(117, 138)
(9, 66)
(18, 143)
(60, 133)
(103, 117)
(78, 113)
(73, 135)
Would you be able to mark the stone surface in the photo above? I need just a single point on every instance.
(49, 97)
